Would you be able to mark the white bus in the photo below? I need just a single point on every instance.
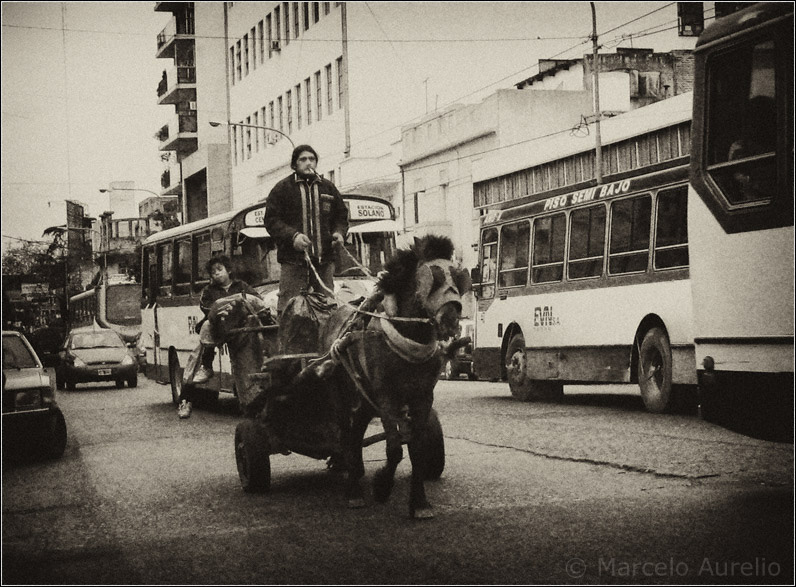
(173, 275)
(741, 220)
(584, 283)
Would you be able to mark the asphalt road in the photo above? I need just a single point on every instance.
(589, 490)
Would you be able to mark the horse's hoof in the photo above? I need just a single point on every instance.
(422, 513)
(356, 503)
(382, 486)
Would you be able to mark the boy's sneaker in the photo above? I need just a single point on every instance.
(203, 375)
(184, 409)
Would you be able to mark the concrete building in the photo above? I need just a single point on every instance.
(439, 150)
(194, 84)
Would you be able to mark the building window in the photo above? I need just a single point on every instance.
(298, 106)
(256, 122)
(270, 35)
(281, 114)
(277, 25)
(329, 92)
(253, 35)
(289, 101)
(286, 12)
(261, 34)
(245, 55)
(308, 92)
(327, 7)
(318, 94)
(271, 114)
(331, 175)
(339, 82)
(264, 123)
(296, 20)
(306, 7)
(232, 64)
(238, 62)
(316, 11)
(235, 147)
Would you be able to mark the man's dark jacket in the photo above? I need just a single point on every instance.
(313, 207)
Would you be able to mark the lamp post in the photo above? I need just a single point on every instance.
(233, 124)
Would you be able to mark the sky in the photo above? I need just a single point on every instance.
(79, 79)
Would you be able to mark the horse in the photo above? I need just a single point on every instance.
(387, 360)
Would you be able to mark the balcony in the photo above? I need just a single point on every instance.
(176, 32)
(180, 134)
(178, 84)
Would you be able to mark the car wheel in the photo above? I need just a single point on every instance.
(655, 371)
(133, 381)
(175, 377)
(59, 381)
(54, 438)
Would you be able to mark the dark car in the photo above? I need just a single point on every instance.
(96, 354)
(31, 416)
(462, 361)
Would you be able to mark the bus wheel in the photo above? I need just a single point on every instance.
(655, 371)
(517, 370)
(175, 379)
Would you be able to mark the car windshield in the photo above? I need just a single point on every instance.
(94, 340)
(16, 354)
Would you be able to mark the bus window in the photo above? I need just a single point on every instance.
(742, 156)
(182, 277)
(251, 261)
(201, 256)
(165, 269)
(515, 240)
(489, 244)
(671, 230)
(549, 234)
(586, 242)
(630, 235)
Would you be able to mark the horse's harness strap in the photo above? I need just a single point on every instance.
(340, 353)
(406, 348)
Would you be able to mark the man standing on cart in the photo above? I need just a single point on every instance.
(305, 213)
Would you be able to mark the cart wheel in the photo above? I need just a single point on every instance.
(252, 457)
(175, 377)
(433, 448)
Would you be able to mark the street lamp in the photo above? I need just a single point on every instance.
(217, 124)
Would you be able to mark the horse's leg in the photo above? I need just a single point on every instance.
(384, 479)
(419, 508)
(353, 458)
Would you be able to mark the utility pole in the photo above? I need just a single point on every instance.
(598, 148)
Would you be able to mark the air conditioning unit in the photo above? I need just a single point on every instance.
(192, 105)
(276, 46)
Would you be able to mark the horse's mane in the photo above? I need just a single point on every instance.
(400, 269)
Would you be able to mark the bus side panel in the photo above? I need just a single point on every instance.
(588, 335)
(738, 320)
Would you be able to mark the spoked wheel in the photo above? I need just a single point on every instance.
(433, 448)
(175, 377)
(252, 456)
(655, 371)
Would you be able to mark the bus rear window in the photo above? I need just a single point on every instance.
(549, 234)
(630, 235)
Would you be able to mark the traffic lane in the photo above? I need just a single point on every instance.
(608, 425)
(167, 495)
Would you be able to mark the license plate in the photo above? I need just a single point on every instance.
(104, 371)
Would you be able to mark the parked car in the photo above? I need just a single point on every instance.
(31, 417)
(462, 362)
(96, 354)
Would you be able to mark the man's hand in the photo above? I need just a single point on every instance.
(338, 240)
(301, 242)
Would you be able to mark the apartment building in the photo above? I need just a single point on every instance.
(193, 82)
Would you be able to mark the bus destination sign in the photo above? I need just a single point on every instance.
(587, 195)
(368, 211)
(255, 217)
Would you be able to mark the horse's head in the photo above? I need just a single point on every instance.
(427, 283)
